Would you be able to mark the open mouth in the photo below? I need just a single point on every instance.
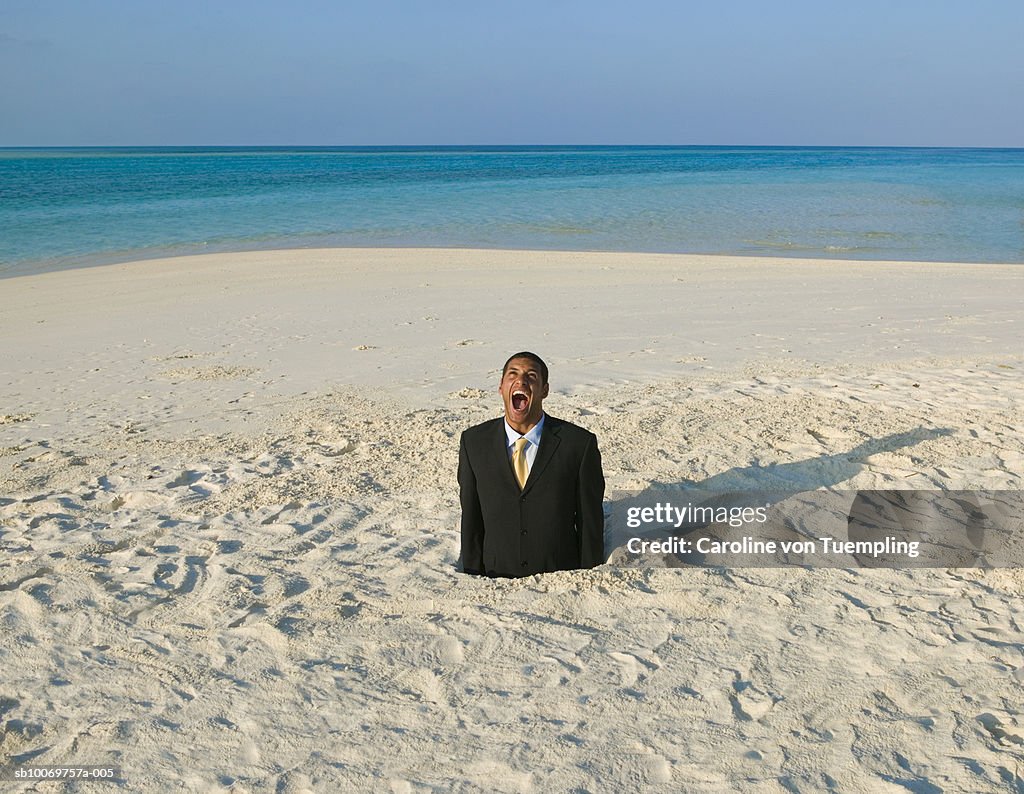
(519, 400)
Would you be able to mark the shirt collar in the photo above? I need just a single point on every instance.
(533, 436)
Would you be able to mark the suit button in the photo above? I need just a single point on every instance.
(522, 498)
(524, 563)
(523, 532)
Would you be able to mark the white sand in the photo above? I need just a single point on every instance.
(229, 525)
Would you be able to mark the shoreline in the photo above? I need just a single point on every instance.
(91, 261)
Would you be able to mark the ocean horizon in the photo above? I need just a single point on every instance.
(80, 206)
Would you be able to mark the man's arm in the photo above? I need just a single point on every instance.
(472, 517)
(589, 510)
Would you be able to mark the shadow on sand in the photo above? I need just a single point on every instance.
(749, 487)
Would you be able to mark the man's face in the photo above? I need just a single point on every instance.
(523, 393)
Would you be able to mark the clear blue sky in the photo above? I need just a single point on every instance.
(351, 72)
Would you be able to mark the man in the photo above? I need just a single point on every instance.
(530, 485)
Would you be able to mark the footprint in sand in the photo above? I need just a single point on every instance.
(748, 702)
(659, 770)
(1004, 730)
(449, 651)
(631, 667)
(187, 477)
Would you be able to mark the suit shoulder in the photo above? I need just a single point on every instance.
(481, 430)
(570, 431)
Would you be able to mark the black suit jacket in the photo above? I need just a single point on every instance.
(555, 523)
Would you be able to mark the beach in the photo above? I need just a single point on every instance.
(229, 524)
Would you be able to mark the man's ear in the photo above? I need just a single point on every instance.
(545, 395)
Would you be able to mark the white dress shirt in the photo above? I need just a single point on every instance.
(532, 438)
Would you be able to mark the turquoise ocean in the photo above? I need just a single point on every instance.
(63, 208)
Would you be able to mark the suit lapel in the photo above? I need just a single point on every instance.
(502, 447)
(548, 444)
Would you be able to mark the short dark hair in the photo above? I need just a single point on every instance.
(534, 358)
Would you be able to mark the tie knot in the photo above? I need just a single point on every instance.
(520, 444)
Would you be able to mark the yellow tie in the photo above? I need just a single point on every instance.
(519, 462)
